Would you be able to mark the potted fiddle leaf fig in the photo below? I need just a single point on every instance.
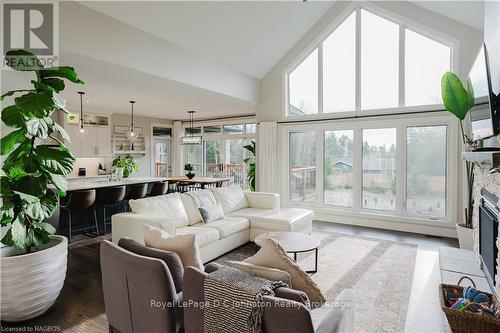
(33, 259)
(189, 168)
(459, 100)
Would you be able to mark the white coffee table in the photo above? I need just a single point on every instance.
(293, 242)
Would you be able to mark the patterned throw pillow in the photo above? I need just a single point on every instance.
(271, 254)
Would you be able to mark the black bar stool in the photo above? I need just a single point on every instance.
(136, 191)
(159, 188)
(109, 197)
(80, 200)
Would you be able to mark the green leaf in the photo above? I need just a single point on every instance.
(470, 93)
(59, 102)
(13, 117)
(17, 173)
(59, 182)
(455, 97)
(38, 105)
(54, 83)
(26, 197)
(18, 231)
(55, 160)
(34, 185)
(39, 127)
(58, 128)
(46, 227)
(43, 209)
(7, 239)
(6, 212)
(22, 60)
(9, 142)
(63, 72)
(18, 156)
(5, 187)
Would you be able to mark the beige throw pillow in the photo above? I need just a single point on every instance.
(268, 273)
(184, 245)
(271, 254)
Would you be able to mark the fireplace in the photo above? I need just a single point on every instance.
(488, 233)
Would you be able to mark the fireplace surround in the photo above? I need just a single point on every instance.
(488, 235)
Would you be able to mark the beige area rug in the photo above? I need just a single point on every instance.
(378, 272)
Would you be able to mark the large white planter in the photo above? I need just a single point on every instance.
(465, 237)
(31, 283)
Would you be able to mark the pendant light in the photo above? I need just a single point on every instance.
(131, 135)
(191, 139)
(81, 131)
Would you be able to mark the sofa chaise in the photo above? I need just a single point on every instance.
(246, 215)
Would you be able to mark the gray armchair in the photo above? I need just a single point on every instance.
(284, 312)
(137, 282)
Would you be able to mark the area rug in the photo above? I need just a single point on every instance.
(377, 272)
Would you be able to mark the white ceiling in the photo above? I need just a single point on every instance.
(470, 13)
(250, 37)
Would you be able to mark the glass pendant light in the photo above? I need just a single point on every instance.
(81, 131)
(191, 139)
(132, 135)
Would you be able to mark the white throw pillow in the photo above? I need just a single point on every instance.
(184, 245)
(191, 209)
(271, 274)
(231, 198)
(169, 206)
(271, 254)
(211, 214)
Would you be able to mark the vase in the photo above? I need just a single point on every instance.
(31, 282)
(190, 175)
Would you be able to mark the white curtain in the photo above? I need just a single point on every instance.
(177, 168)
(267, 142)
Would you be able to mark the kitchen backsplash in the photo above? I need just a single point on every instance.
(91, 164)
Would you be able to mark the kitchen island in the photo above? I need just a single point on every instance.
(96, 183)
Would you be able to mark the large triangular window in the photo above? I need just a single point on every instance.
(368, 63)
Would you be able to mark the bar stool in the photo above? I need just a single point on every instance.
(80, 200)
(159, 188)
(110, 197)
(136, 191)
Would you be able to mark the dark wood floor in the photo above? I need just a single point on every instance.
(80, 307)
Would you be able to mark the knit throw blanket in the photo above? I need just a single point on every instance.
(234, 301)
(203, 198)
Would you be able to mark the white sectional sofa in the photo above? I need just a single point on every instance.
(247, 215)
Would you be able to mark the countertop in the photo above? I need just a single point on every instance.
(89, 184)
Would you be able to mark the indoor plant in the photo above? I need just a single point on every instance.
(127, 164)
(189, 168)
(251, 165)
(33, 262)
(459, 100)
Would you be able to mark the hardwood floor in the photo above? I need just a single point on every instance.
(80, 307)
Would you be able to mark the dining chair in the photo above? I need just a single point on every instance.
(110, 197)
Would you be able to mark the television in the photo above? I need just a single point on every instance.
(485, 115)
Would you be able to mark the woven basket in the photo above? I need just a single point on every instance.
(467, 322)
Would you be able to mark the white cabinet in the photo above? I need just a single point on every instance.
(97, 142)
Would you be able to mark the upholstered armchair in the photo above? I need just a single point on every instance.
(142, 288)
(284, 312)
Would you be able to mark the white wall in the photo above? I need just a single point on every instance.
(492, 40)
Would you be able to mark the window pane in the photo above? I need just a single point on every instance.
(250, 128)
(193, 131)
(425, 63)
(379, 62)
(379, 168)
(213, 159)
(303, 166)
(234, 166)
(426, 170)
(233, 129)
(193, 154)
(211, 130)
(162, 131)
(303, 85)
(339, 68)
(338, 168)
(478, 76)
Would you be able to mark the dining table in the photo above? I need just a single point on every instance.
(203, 182)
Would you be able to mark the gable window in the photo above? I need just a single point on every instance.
(368, 63)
